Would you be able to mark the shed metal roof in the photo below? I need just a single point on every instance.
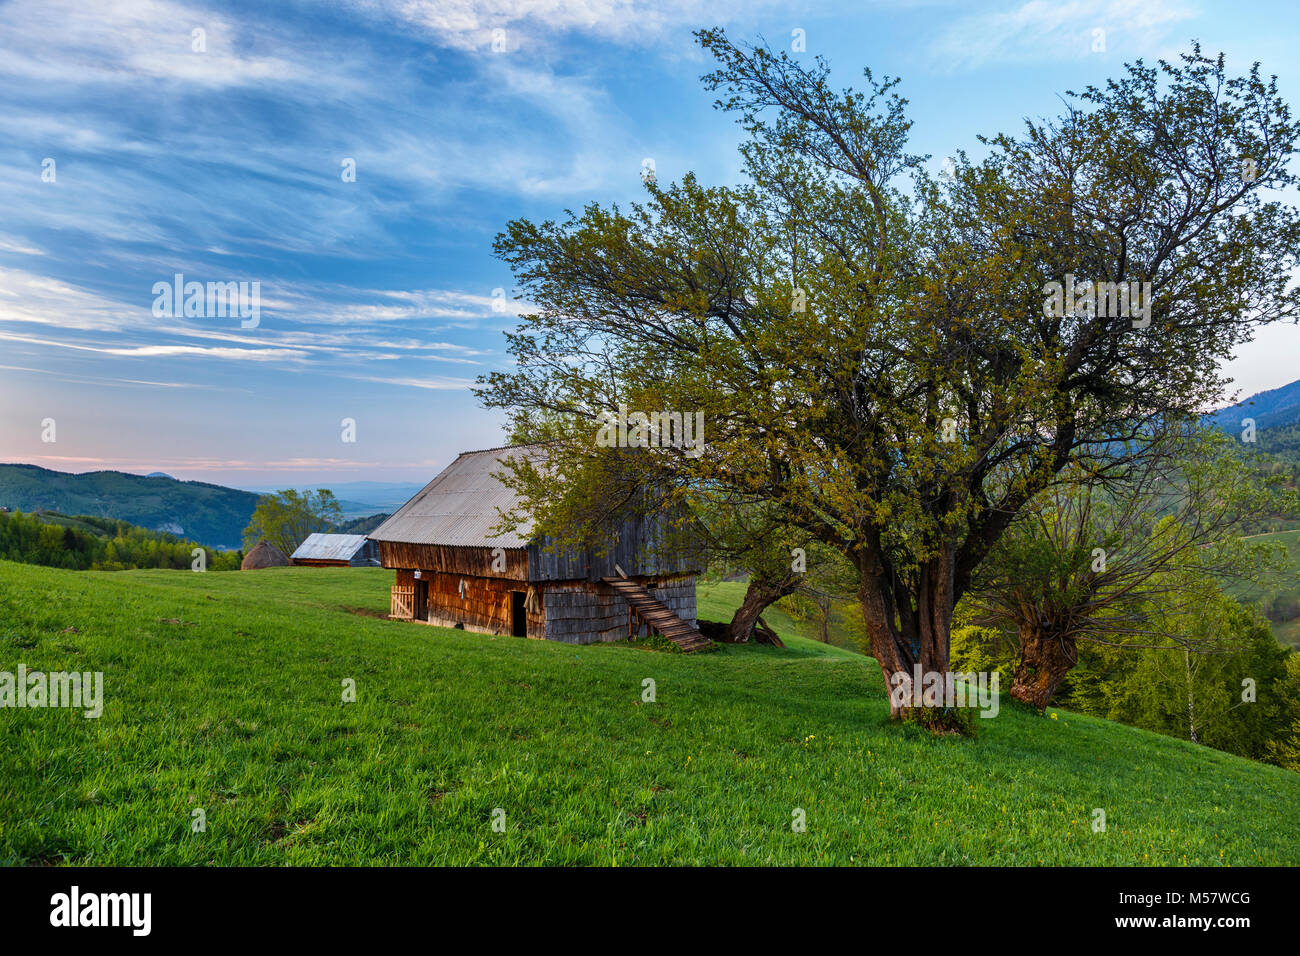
(330, 547)
(462, 505)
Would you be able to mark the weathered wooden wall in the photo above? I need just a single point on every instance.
(647, 545)
(584, 612)
(679, 594)
(485, 608)
(643, 545)
(454, 560)
(575, 612)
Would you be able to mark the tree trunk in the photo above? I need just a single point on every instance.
(909, 624)
(763, 634)
(824, 606)
(1045, 660)
(1191, 696)
(759, 595)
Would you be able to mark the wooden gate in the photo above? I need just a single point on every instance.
(403, 601)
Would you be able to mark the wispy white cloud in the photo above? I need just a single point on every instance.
(1045, 30)
(310, 465)
(19, 247)
(116, 40)
(33, 299)
(143, 174)
(320, 324)
(429, 384)
(162, 351)
(111, 382)
(473, 24)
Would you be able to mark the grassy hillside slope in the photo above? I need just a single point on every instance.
(718, 600)
(223, 693)
(1285, 629)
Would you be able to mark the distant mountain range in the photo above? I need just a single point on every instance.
(1275, 408)
(212, 515)
(363, 525)
(209, 514)
(358, 498)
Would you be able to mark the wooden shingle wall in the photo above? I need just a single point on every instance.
(582, 612)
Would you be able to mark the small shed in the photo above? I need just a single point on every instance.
(454, 569)
(337, 551)
(265, 555)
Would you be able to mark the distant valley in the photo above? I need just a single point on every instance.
(357, 498)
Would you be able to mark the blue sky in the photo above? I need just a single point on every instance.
(225, 164)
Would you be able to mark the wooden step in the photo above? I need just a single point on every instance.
(658, 615)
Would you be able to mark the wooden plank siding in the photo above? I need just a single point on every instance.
(485, 608)
(574, 612)
(453, 560)
(642, 546)
(584, 612)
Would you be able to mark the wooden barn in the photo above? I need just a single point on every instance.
(337, 551)
(454, 570)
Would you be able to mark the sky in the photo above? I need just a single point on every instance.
(356, 159)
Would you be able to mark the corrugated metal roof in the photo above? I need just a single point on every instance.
(330, 547)
(462, 505)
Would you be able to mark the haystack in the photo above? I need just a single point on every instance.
(265, 555)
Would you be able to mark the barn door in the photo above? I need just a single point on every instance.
(422, 600)
(518, 615)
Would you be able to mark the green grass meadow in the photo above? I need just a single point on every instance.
(1287, 632)
(223, 691)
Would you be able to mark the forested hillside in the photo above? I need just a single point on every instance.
(212, 515)
(84, 542)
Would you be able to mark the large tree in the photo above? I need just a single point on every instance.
(1127, 563)
(286, 518)
(870, 348)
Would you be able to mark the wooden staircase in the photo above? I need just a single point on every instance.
(657, 616)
